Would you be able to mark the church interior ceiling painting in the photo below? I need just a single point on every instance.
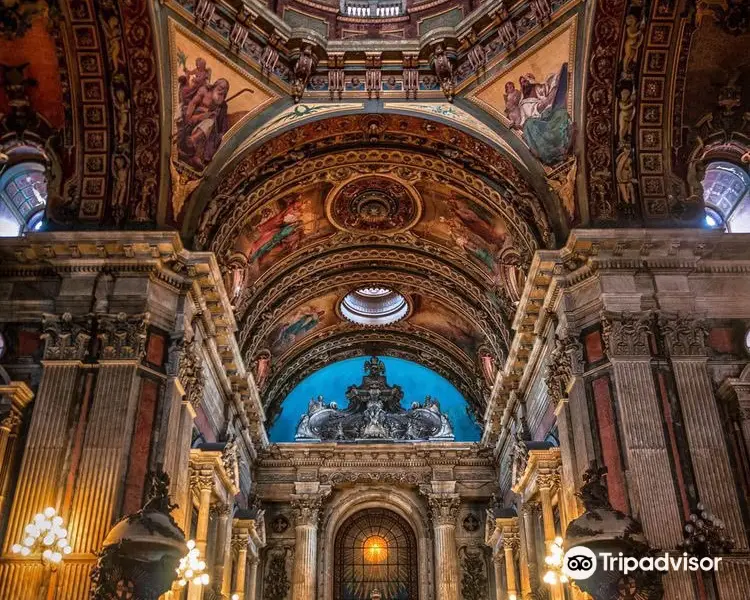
(372, 299)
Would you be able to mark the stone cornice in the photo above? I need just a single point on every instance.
(588, 253)
(210, 461)
(539, 465)
(163, 255)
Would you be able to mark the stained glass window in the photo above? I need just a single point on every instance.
(375, 550)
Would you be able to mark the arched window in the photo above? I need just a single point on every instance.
(726, 195)
(375, 549)
(23, 192)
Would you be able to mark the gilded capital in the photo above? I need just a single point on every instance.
(201, 480)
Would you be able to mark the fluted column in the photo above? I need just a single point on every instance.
(252, 578)
(306, 514)
(239, 545)
(223, 554)
(527, 550)
(547, 482)
(498, 561)
(443, 509)
(685, 342)
(14, 398)
(511, 544)
(201, 481)
(627, 338)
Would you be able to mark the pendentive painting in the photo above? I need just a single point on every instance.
(464, 225)
(282, 226)
(435, 316)
(210, 98)
(533, 97)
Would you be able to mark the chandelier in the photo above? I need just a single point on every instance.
(192, 568)
(45, 535)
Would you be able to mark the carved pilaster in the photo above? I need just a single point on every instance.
(65, 337)
(683, 335)
(122, 337)
(626, 334)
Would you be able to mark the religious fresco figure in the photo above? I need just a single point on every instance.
(278, 228)
(540, 111)
(301, 322)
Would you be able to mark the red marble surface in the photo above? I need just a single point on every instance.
(610, 448)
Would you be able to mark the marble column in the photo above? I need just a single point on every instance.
(223, 551)
(252, 578)
(651, 487)
(201, 482)
(511, 543)
(684, 340)
(546, 482)
(443, 510)
(239, 545)
(498, 560)
(304, 574)
(527, 550)
(14, 398)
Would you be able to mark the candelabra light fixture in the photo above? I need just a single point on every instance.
(554, 561)
(192, 568)
(47, 536)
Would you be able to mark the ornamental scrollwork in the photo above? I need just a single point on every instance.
(565, 360)
(66, 337)
(201, 480)
(190, 373)
(627, 334)
(683, 336)
(474, 573)
(443, 508)
(306, 509)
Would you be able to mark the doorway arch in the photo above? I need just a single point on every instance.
(375, 549)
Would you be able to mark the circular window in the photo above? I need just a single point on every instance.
(747, 342)
(3, 346)
(713, 218)
(374, 306)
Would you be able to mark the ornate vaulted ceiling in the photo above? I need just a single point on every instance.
(431, 152)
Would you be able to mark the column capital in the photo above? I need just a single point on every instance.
(548, 479)
(444, 508)
(683, 335)
(511, 540)
(240, 540)
(306, 509)
(221, 509)
(627, 334)
(66, 337)
(122, 336)
(201, 480)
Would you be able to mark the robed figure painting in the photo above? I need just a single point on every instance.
(539, 110)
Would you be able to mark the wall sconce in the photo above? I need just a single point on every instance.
(192, 568)
(46, 535)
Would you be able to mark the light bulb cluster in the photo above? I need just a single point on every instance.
(554, 562)
(192, 568)
(47, 535)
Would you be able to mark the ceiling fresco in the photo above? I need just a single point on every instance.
(460, 150)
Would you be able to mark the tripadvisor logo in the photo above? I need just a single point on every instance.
(581, 563)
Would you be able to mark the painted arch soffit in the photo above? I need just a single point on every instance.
(276, 140)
